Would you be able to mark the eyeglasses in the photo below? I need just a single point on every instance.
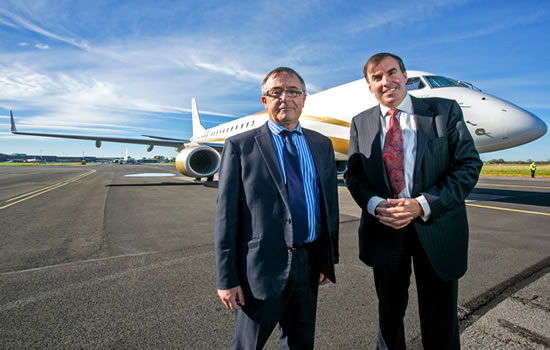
(277, 93)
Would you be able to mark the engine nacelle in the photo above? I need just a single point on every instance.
(198, 161)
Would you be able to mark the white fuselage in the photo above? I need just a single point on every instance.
(495, 124)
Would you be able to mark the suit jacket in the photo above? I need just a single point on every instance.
(446, 169)
(253, 228)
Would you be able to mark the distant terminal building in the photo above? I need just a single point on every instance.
(23, 157)
(36, 158)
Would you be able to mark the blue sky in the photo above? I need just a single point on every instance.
(127, 68)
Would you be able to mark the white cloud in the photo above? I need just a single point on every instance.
(23, 23)
(238, 73)
(6, 21)
(398, 15)
(485, 26)
(42, 46)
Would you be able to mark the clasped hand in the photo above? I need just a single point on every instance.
(398, 213)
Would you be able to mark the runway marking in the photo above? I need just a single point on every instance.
(502, 185)
(49, 267)
(151, 175)
(38, 192)
(507, 209)
(19, 303)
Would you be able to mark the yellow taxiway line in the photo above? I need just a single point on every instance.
(38, 192)
(507, 209)
(503, 185)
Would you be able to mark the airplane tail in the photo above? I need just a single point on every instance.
(197, 127)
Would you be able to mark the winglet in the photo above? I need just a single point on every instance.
(13, 128)
(197, 127)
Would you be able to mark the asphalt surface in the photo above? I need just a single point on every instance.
(93, 259)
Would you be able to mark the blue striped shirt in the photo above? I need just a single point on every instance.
(309, 175)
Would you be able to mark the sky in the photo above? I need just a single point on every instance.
(126, 68)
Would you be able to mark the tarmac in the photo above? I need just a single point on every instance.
(516, 315)
(520, 321)
(112, 257)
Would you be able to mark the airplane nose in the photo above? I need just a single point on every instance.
(539, 127)
(529, 126)
(526, 127)
(505, 125)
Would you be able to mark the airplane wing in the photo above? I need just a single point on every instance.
(153, 141)
(216, 145)
(165, 138)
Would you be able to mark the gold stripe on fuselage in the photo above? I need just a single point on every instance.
(326, 120)
(320, 119)
(340, 145)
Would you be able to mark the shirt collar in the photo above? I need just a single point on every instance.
(276, 128)
(404, 106)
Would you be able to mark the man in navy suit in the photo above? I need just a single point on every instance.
(412, 162)
(276, 234)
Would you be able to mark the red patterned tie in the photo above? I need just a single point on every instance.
(393, 154)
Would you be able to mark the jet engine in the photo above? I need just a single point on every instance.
(198, 161)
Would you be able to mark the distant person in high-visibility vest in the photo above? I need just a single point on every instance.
(533, 168)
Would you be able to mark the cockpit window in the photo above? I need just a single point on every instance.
(467, 85)
(414, 84)
(439, 81)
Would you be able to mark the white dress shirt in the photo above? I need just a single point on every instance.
(407, 122)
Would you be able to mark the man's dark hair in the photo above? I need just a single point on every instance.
(286, 70)
(374, 60)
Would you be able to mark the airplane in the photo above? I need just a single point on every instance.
(495, 124)
(126, 159)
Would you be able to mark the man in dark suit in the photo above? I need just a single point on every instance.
(276, 235)
(412, 162)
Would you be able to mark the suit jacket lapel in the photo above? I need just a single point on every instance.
(373, 139)
(267, 150)
(318, 158)
(424, 121)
